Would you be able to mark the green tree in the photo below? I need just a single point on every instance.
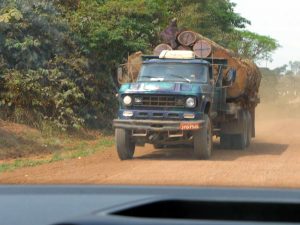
(294, 67)
(281, 70)
(45, 77)
(250, 45)
(111, 29)
(215, 19)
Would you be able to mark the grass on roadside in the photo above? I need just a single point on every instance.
(68, 148)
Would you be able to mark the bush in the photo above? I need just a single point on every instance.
(44, 75)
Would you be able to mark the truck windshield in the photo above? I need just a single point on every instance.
(175, 72)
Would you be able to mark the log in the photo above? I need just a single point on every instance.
(185, 48)
(248, 75)
(159, 48)
(202, 49)
(187, 38)
(216, 47)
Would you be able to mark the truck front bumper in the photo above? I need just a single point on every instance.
(158, 125)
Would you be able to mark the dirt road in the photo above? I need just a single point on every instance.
(273, 160)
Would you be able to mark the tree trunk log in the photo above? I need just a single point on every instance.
(185, 48)
(159, 48)
(202, 49)
(187, 38)
(248, 75)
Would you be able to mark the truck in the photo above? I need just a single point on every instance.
(181, 99)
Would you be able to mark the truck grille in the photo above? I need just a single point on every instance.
(159, 101)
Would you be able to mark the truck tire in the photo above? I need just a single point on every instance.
(203, 140)
(249, 128)
(239, 141)
(125, 145)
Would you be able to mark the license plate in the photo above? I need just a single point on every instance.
(189, 126)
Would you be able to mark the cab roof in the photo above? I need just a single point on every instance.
(189, 61)
(147, 59)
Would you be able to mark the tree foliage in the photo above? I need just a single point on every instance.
(294, 68)
(215, 19)
(281, 86)
(291, 69)
(254, 46)
(44, 75)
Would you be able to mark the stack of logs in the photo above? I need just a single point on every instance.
(248, 75)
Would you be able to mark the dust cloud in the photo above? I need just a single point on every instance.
(280, 98)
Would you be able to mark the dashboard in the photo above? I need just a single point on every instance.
(116, 205)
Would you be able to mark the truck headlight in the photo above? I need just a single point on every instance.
(190, 102)
(127, 100)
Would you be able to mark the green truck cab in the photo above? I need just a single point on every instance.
(180, 99)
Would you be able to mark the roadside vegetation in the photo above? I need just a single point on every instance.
(22, 146)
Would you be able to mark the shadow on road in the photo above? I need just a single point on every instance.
(173, 153)
(219, 154)
(256, 149)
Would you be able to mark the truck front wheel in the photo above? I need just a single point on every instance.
(203, 140)
(125, 145)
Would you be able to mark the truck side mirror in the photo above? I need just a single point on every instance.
(120, 75)
(230, 77)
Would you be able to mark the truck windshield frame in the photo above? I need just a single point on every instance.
(174, 72)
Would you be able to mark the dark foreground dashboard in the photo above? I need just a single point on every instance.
(120, 205)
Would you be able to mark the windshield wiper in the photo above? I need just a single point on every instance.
(161, 78)
(182, 77)
(147, 76)
(152, 77)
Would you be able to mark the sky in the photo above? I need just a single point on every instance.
(277, 19)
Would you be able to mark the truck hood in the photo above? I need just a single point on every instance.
(164, 88)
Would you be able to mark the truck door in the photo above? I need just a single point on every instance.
(219, 95)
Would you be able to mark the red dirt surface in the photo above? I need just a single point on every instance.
(273, 160)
